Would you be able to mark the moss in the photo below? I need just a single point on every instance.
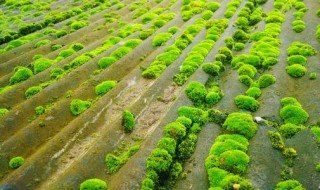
(297, 48)
(211, 69)
(120, 52)
(234, 161)
(79, 61)
(132, 43)
(105, 62)
(207, 14)
(161, 38)
(175, 130)
(318, 168)
(313, 75)
(40, 110)
(298, 28)
(173, 30)
(276, 140)
(289, 130)
(42, 64)
(227, 52)
(104, 87)
(266, 80)
(184, 121)
(41, 43)
(3, 112)
(247, 102)
(289, 184)
(147, 184)
(216, 175)
(248, 70)
(230, 180)
(241, 123)
(127, 121)
(56, 73)
(56, 46)
(240, 36)
(32, 91)
(168, 144)
(148, 17)
(220, 147)
(60, 33)
(294, 114)
(153, 71)
(16, 162)
(66, 53)
(246, 80)
(78, 106)
(253, 92)
(290, 101)
(20, 74)
(195, 114)
(213, 98)
(187, 147)
(213, 6)
(216, 116)
(297, 59)
(159, 160)
(77, 46)
(196, 92)
(238, 46)
(93, 184)
(296, 70)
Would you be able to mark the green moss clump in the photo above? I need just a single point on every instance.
(105, 62)
(240, 36)
(127, 121)
(173, 30)
(41, 43)
(175, 130)
(241, 123)
(56, 73)
(246, 80)
(213, 6)
(161, 38)
(147, 184)
(113, 163)
(40, 110)
(56, 46)
(213, 98)
(196, 92)
(253, 92)
(289, 184)
(60, 33)
(20, 74)
(93, 184)
(266, 80)
(185, 122)
(248, 70)
(105, 87)
(168, 144)
(238, 46)
(313, 75)
(289, 130)
(290, 101)
(297, 48)
(215, 176)
(211, 69)
(77, 46)
(159, 160)
(16, 162)
(120, 52)
(276, 140)
(220, 147)
(195, 114)
(3, 112)
(66, 53)
(297, 59)
(78, 106)
(294, 114)
(207, 15)
(296, 70)
(42, 64)
(80, 61)
(318, 168)
(247, 102)
(32, 91)
(230, 180)
(234, 161)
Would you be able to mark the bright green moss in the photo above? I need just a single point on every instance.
(297, 59)
(93, 184)
(42, 64)
(230, 180)
(247, 102)
(195, 114)
(20, 74)
(294, 114)
(296, 70)
(41, 43)
(66, 53)
(196, 92)
(234, 161)
(3, 112)
(248, 70)
(266, 80)
(161, 38)
(32, 91)
(16, 162)
(60, 33)
(289, 130)
(238, 46)
(175, 130)
(290, 101)
(213, 98)
(104, 87)
(213, 6)
(153, 71)
(215, 176)
(289, 184)
(105, 62)
(297, 48)
(120, 52)
(132, 43)
(79, 61)
(253, 92)
(220, 147)
(168, 144)
(78, 106)
(241, 123)
(159, 160)
(246, 80)
(56, 73)
(313, 76)
(127, 121)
